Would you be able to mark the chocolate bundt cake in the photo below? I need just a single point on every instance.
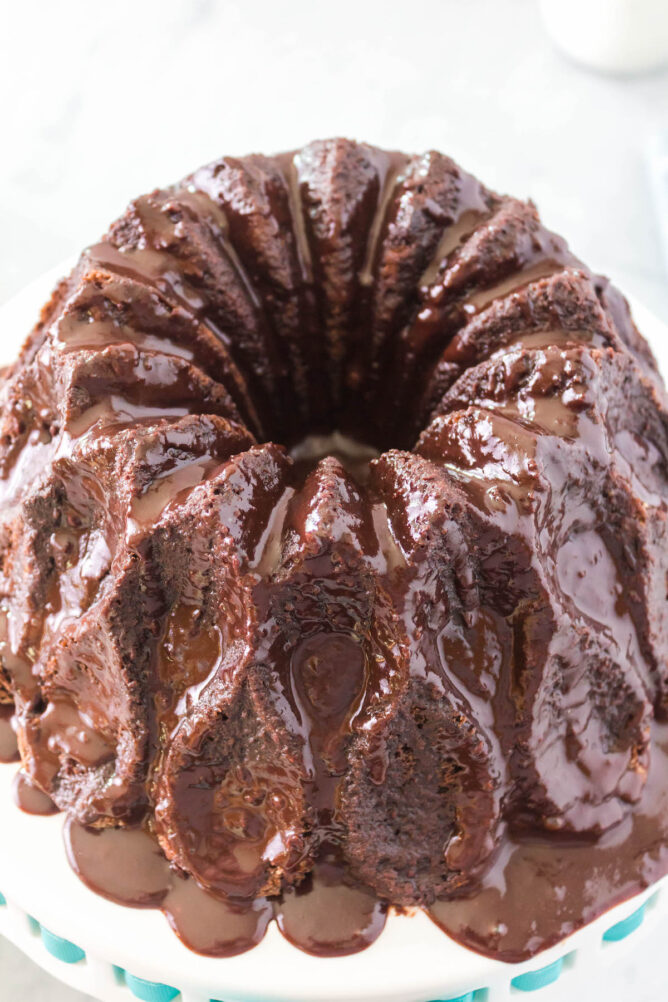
(334, 541)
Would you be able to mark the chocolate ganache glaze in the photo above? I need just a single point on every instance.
(333, 519)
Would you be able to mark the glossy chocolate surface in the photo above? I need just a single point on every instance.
(9, 749)
(30, 798)
(333, 525)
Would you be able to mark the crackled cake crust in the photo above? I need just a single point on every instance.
(298, 673)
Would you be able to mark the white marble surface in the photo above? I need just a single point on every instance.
(101, 101)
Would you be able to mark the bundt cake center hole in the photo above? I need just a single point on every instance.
(355, 456)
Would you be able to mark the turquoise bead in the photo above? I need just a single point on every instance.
(3, 899)
(468, 997)
(624, 928)
(150, 991)
(532, 980)
(61, 948)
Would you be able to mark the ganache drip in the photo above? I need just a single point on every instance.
(333, 505)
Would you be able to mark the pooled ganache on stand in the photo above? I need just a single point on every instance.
(334, 561)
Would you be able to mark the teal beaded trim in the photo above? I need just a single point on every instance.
(61, 948)
(532, 980)
(468, 997)
(624, 928)
(149, 991)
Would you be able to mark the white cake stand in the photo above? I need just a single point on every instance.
(118, 954)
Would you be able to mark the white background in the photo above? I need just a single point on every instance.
(100, 101)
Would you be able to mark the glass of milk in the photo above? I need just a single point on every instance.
(614, 36)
